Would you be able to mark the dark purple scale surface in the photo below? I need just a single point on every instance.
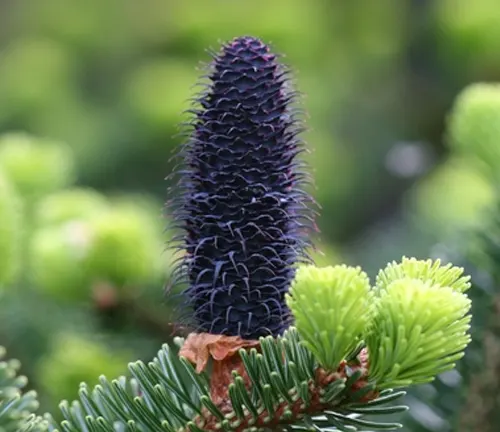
(242, 210)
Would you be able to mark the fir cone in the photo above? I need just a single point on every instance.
(242, 209)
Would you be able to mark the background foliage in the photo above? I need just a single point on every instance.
(91, 95)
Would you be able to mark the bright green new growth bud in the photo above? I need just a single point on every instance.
(426, 271)
(70, 205)
(59, 259)
(419, 331)
(126, 247)
(444, 208)
(475, 123)
(10, 232)
(35, 166)
(83, 240)
(332, 309)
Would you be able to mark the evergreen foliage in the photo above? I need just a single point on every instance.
(332, 307)
(350, 345)
(16, 405)
(473, 132)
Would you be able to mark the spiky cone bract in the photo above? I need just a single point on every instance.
(420, 326)
(241, 209)
(332, 307)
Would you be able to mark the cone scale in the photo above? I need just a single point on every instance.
(241, 209)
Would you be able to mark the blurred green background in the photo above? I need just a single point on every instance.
(91, 96)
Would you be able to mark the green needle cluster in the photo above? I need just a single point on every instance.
(414, 322)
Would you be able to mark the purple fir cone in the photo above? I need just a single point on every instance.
(242, 209)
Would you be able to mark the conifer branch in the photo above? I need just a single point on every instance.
(290, 346)
(16, 407)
